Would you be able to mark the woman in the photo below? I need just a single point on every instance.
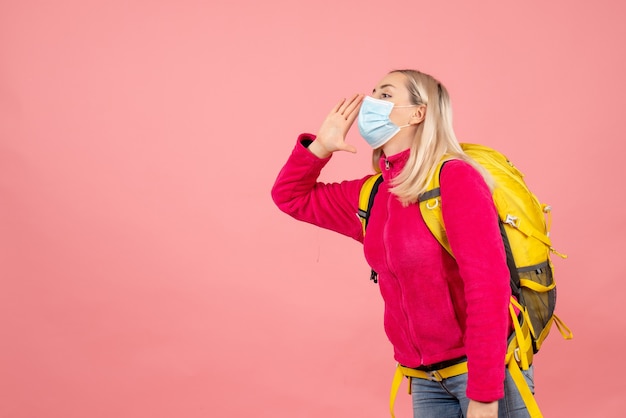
(441, 312)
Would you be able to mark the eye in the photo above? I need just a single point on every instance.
(385, 96)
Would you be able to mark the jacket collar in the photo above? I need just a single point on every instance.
(391, 165)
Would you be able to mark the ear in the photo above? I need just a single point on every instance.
(418, 116)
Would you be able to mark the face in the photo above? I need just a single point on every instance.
(392, 88)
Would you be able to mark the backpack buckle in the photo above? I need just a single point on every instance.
(512, 220)
(434, 376)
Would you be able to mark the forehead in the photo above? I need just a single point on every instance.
(392, 80)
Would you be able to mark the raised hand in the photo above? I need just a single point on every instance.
(331, 136)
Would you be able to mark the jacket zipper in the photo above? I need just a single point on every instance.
(401, 295)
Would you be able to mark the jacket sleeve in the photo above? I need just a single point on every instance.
(473, 232)
(297, 192)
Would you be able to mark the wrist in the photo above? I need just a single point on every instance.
(317, 149)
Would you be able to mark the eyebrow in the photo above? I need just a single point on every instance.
(384, 86)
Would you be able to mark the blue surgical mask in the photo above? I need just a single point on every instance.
(374, 123)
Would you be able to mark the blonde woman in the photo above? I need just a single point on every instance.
(441, 312)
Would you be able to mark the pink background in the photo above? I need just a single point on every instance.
(144, 269)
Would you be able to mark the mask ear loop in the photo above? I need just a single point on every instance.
(394, 106)
(404, 106)
(413, 115)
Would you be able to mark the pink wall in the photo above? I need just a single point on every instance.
(144, 268)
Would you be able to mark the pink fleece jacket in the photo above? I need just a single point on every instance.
(437, 307)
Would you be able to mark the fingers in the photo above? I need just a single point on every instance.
(354, 101)
(347, 108)
(333, 131)
(337, 108)
(352, 110)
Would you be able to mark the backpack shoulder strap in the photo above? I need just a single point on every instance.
(366, 198)
(430, 207)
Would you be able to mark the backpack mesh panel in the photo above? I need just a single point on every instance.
(540, 305)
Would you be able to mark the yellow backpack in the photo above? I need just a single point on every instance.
(526, 239)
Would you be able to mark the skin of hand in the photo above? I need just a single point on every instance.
(331, 135)
(482, 410)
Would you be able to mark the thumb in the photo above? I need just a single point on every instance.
(348, 147)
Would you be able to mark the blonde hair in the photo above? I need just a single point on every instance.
(434, 138)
